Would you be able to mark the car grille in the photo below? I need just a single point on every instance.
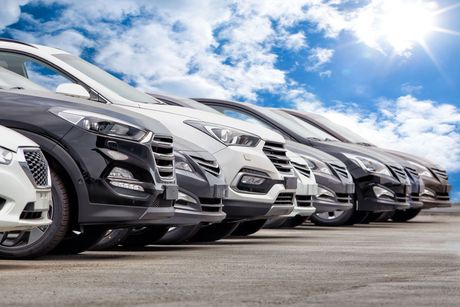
(304, 200)
(441, 174)
(38, 167)
(303, 169)
(412, 171)
(277, 154)
(285, 199)
(162, 147)
(399, 172)
(209, 165)
(341, 170)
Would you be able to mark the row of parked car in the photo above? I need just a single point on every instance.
(92, 162)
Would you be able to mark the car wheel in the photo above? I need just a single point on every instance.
(78, 242)
(295, 221)
(142, 236)
(179, 234)
(214, 232)
(404, 216)
(248, 228)
(40, 241)
(333, 218)
(112, 238)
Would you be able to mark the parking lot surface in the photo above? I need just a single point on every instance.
(411, 264)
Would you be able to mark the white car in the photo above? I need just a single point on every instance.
(248, 154)
(25, 184)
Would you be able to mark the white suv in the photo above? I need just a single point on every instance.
(25, 189)
(244, 151)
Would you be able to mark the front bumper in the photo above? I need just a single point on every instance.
(338, 194)
(437, 194)
(246, 205)
(369, 201)
(23, 206)
(115, 206)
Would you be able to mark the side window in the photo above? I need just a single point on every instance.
(241, 115)
(36, 71)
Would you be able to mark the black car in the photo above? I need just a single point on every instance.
(201, 190)
(381, 183)
(105, 168)
(336, 187)
(434, 188)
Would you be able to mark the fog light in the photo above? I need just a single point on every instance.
(379, 192)
(251, 180)
(324, 192)
(121, 173)
(126, 185)
(428, 192)
(186, 198)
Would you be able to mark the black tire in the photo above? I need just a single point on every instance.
(402, 216)
(112, 238)
(75, 243)
(179, 234)
(294, 221)
(140, 237)
(214, 232)
(248, 228)
(357, 217)
(345, 218)
(50, 236)
(371, 217)
(385, 216)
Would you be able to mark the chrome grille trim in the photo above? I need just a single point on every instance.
(208, 165)
(162, 147)
(301, 168)
(340, 170)
(277, 154)
(441, 174)
(285, 199)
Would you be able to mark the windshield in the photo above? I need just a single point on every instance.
(10, 80)
(339, 129)
(121, 88)
(296, 125)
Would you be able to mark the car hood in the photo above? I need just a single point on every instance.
(184, 146)
(52, 100)
(412, 158)
(302, 149)
(222, 120)
(11, 140)
(369, 152)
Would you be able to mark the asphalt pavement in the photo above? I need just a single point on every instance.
(412, 264)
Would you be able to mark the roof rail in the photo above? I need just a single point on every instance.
(9, 40)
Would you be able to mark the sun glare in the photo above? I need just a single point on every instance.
(399, 24)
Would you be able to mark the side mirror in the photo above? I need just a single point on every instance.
(73, 90)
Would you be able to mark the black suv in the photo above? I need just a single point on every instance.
(105, 168)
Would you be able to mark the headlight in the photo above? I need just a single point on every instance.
(105, 125)
(316, 165)
(370, 165)
(184, 166)
(226, 135)
(421, 170)
(6, 156)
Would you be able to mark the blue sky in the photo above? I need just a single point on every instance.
(386, 69)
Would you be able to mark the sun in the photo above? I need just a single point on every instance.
(398, 24)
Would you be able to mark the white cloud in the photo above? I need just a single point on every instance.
(410, 89)
(422, 127)
(318, 58)
(10, 12)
